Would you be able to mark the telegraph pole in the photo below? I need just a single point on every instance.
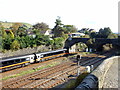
(78, 61)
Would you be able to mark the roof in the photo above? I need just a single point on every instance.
(43, 31)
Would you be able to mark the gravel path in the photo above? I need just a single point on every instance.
(111, 78)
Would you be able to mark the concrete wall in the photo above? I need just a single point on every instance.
(100, 72)
(102, 69)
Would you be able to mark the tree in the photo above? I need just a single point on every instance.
(40, 26)
(58, 42)
(93, 35)
(58, 29)
(58, 21)
(81, 46)
(15, 27)
(69, 29)
(22, 31)
(11, 35)
(112, 36)
(90, 42)
(15, 45)
(104, 33)
(6, 43)
(4, 34)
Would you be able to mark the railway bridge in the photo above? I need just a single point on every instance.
(97, 43)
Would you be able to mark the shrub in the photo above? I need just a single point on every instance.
(80, 78)
(15, 45)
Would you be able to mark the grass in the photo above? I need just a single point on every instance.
(30, 71)
(9, 24)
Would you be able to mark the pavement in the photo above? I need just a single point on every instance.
(111, 79)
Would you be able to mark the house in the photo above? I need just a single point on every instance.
(47, 32)
(43, 32)
(30, 32)
(76, 34)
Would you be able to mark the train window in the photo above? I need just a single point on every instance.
(23, 59)
(45, 55)
(27, 58)
(4, 63)
(41, 56)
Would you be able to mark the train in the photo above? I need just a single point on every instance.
(20, 61)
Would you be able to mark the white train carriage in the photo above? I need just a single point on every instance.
(51, 54)
(11, 63)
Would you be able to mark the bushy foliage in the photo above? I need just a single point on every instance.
(81, 46)
(69, 29)
(80, 78)
(112, 36)
(93, 35)
(58, 42)
(15, 27)
(40, 26)
(15, 45)
(90, 42)
(22, 31)
(11, 35)
(3, 32)
(104, 33)
(11, 42)
(60, 29)
(6, 43)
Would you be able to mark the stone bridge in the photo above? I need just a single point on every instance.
(97, 42)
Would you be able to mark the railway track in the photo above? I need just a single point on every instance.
(31, 66)
(39, 74)
(59, 77)
(49, 77)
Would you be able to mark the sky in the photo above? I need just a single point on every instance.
(93, 14)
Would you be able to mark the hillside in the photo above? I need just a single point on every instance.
(9, 24)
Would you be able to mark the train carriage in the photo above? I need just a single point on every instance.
(52, 54)
(11, 63)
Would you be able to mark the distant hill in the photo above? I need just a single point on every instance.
(9, 24)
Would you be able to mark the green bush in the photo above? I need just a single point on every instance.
(74, 83)
(70, 85)
(15, 45)
(80, 78)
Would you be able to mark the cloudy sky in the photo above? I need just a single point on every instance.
(94, 14)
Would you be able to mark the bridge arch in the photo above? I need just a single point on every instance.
(97, 43)
(70, 43)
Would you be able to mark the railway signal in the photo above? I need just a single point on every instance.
(78, 61)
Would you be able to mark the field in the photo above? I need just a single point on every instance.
(9, 24)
